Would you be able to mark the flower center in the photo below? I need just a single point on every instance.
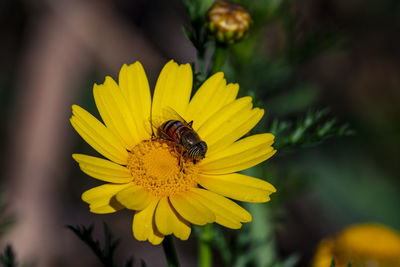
(161, 167)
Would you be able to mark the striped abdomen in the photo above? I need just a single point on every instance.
(183, 134)
(173, 130)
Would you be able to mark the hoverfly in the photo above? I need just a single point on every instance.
(174, 128)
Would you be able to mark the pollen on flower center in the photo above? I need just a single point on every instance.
(160, 167)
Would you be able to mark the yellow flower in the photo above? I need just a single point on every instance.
(150, 175)
(366, 245)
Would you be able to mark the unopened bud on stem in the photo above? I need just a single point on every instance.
(228, 22)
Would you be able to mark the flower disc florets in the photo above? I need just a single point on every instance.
(161, 167)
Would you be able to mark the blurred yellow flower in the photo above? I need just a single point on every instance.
(367, 245)
(150, 175)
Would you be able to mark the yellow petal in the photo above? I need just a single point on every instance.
(211, 96)
(104, 208)
(169, 222)
(231, 110)
(227, 212)
(102, 198)
(238, 186)
(191, 209)
(173, 89)
(102, 169)
(241, 155)
(98, 136)
(229, 124)
(143, 226)
(102, 192)
(134, 197)
(135, 88)
(231, 167)
(224, 129)
(232, 90)
(115, 112)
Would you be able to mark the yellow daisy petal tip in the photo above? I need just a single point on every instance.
(109, 80)
(249, 219)
(218, 76)
(134, 65)
(271, 136)
(137, 64)
(156, 241)
(269, 187)
(75, 157)
(170, 64)
(273, 189)
(246, 99)
(75, 108)
(96, 86)
(84, 197)
(187, 68)
(234, 87)
(260, 111)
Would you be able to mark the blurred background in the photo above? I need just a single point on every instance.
(300, 56)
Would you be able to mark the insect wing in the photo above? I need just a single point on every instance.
(156, 121)
(169, 113)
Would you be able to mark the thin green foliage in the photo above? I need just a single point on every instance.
(170, 252)
(310, 130)
(7, 258)
(220, 242)
(105, 254)
(7, 220)
(333, 263)
(197, 34)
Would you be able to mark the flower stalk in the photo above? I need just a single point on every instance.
(169, 251)
(205, 246)
(219, 57)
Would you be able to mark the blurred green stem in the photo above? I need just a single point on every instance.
(169, 250)
(204, 246)
(261, 228)
(219, 57)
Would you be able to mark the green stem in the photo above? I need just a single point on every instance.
(261, 228)
(170, 253)
(219, 57)
(204, 246)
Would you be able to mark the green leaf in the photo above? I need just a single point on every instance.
(313, 129)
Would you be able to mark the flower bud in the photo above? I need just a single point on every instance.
(228, 22)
